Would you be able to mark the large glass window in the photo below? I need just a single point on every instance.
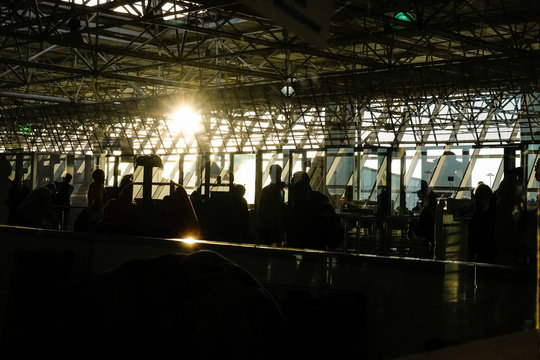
(339, 170)
(191, 179)
(244, 174)
(487, 167)
(369, 168)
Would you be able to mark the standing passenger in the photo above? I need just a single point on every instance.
(239, 214)
(62, 200)
(481, 246)
(96, 197)
(270, 224)
(17, 193)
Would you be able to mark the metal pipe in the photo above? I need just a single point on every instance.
(39, 97)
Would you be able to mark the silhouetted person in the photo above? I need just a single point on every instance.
(196, 306)
(383, 205)
(96, 197)
(425, 227)
(481, 245)
(5, 185)
(311, 221)
(510, 220)
(125, 181)
(36, 210)
(17, 193)
(62, 200)
(381, 225)
(180, 219)
(422, 196)
(120, 213)
(239, 215)
(317, 178)
(271, 210)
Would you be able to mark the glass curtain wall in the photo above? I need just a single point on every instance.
(452, 170)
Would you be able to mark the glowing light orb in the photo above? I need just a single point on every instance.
(188, 241)
(185, 120)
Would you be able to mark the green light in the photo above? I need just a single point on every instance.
(403, 17)
(26, 129)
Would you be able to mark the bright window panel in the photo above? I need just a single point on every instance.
(244, 174)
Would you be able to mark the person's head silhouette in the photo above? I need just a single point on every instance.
(275, 173)
(98, 176)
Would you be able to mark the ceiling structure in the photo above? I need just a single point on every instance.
(87, 75)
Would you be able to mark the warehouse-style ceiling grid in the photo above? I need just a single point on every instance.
(95, 76)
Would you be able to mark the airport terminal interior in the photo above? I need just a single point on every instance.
(413, 127)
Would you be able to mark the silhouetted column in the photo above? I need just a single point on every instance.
(402, 195)
(509, 159)
(389, 180)
(147, 183)
(181, 170)
(116, 171)
(207, 169)
(258, 177)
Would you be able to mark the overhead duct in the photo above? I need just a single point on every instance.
(49, 98)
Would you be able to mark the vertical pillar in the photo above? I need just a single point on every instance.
(323, 172)
(524, 164)
(231, 170)
(53, 159)
(389, 152)
(147, 183)
(70, 164)
(402, 194)
(181, 169)
(207, 169)
(258, 177)
(509, 159)
(423, 175)
(88, 169)
(116, 171)
(287, 164)
(19, 159)
(466, 160)
(33, 177)
(358, 170)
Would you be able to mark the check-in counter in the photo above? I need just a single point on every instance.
(372, 234)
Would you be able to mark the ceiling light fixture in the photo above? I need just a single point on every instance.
(288, 88)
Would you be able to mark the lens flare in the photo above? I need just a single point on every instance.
(185, 120)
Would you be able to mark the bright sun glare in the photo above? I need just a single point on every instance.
(188, 241)
(186, 121)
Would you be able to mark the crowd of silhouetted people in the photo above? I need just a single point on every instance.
(43, 207)
(501, 228)
(306, 220)
(116, 212)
